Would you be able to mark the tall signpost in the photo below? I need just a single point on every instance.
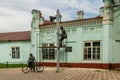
(58, 17)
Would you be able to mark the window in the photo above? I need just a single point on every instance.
(91, 50)
(15, 52)
(68, 49)
(48, 53)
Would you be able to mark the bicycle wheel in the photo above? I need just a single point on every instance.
(39, 68)
(25, 69)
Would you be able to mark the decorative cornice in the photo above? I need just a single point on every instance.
(91, 21)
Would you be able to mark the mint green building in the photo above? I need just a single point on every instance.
(92, 42)
(15, 47)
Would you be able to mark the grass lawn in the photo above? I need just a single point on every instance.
(11, 65)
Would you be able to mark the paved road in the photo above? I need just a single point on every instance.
(64, 74)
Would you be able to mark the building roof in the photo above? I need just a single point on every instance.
(47, 22)
(15, 36)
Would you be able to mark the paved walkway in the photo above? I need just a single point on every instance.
(64, 74)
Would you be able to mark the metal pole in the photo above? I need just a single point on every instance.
(58, 32)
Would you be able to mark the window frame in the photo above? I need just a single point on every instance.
(48, 53)
(15, 52)
(89, 54)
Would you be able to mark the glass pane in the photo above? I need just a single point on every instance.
(46, 50)
(89, 55)
(96, 43)
(94, 51)
(50, 50)
(53, 50)
(47, 57)
(43, 56)
(98, 56)
(13, 52)
(13, 49)
(17, 48)
(17, 52)
(85, 56)
(13, 55)
(89, 50)
(93, 56)
(98, 50)
(85, 50)
(87, 44)
(18, 55)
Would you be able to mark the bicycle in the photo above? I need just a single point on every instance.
(38, 67)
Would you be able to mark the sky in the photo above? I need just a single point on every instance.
(15, 15)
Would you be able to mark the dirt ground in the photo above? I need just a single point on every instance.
(49, 73)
